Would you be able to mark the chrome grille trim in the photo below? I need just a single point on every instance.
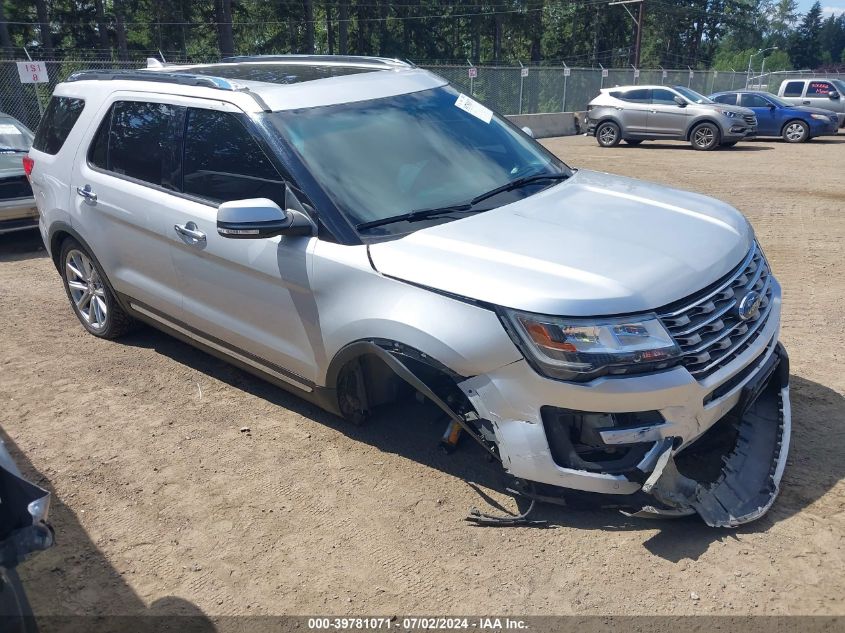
(708, 329)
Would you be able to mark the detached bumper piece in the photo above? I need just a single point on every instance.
(733, 477)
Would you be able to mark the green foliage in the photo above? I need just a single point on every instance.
(676, 33)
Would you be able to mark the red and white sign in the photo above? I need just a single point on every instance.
(33, 72)
(604, 72)
(472, 72)
(567, 72)
(636, 73)
(523, 72)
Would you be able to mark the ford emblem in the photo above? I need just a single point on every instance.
(749, 305)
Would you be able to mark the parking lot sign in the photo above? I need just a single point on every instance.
(472, 72)
(32, 72)
(524, 72)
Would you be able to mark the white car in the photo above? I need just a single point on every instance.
(359, 232)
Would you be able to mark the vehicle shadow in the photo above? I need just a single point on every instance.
(814, 467)
(739, 147)
(72, 586)
(21, 245)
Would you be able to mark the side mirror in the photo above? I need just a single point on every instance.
(833, 94)
(259, 218)
(682, 103)
(528, 131)
(772, 106)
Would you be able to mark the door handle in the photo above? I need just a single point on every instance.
(191, 231)
(806, 102)
(87, 193)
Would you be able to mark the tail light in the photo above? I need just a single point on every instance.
(28, 164)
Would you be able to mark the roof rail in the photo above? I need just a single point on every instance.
(319, 59)
(181, 78)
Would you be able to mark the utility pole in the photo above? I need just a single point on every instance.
(638, 21)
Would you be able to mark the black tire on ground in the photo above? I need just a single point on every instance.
(705, 137)
(729, 143)
(100, 313)
(633, 141)
(608, 134)
(795, 132)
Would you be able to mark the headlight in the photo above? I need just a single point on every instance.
(728, 113)
(582, 349)
(820, 117)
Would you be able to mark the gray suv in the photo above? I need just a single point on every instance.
(647, 113)
(361, 233)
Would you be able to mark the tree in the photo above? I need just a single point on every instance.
(782, 19)
(223, 17)
(44, 28)
(806, 48)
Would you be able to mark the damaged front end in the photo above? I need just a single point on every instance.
(731, 475)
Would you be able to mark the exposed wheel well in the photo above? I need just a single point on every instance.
(56, 240)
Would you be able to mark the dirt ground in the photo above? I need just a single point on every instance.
(161, 498)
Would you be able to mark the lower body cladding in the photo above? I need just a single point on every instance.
(661, 444)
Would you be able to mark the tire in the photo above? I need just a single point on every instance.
(89, 294)
(795, 132)
(608, 134)
(705, 137)
(633, 141)
(730, 143)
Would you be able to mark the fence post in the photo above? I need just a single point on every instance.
(566, 72)
(521, 82)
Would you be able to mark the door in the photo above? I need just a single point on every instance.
(666, 117)
(818, 95)
(768, 115)
(122, 191)
(793, 91)
(635, 103)
(252, 298)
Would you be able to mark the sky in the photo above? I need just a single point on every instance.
(828, 6)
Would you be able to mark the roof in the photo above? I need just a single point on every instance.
(278, 82)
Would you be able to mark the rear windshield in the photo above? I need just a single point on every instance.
(58, 121)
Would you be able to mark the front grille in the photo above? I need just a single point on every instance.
(750, 119)
(707, 326)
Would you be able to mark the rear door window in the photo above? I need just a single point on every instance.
(58, 120)
(222, 161)
(140, 140)
(638, 95)
(793, 89)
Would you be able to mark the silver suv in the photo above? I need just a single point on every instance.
(648, 113)
(360, 233)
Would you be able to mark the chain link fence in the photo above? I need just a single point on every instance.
(509, 90)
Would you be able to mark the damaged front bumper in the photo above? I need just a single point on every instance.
(673, 446)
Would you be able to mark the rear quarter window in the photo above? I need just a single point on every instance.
(58, 120)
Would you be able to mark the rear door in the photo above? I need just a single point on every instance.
(636, 103)
(793, 91)
(252, 299)
(666, 117)
(768, 116)
(122, 191)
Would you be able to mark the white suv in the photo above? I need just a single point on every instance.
(358, 232)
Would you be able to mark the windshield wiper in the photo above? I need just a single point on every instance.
(516, 184)
(413, 216)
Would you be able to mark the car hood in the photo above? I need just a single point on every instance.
(595, 244)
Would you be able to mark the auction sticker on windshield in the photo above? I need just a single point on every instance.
(474, 108)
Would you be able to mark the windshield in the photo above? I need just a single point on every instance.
(692, 95)
(840, 86)
(14, 137)
(430, 149)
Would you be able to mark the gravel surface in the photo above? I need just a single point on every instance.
(181, 483)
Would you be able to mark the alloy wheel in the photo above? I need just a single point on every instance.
(86, 289)
(794, 132)
(704, 136)
(607, 135)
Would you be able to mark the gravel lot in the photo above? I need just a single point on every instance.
(162, 500)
